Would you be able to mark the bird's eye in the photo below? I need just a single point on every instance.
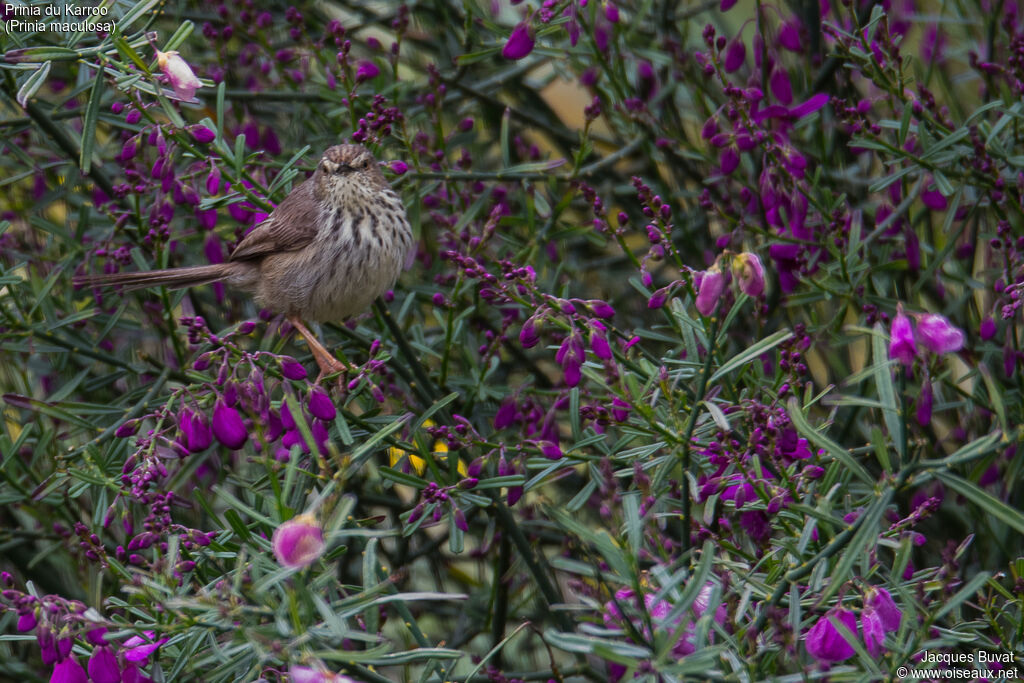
(364, 164)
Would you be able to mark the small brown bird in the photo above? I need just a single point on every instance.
(337, 241)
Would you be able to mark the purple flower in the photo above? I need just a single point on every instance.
(228, 426)
(934, 200)
(601, 309)
(321, 405)
(520, 43)
(202, 134)
(138, 649)
(570, 356)
(292, 369)
(506, 414)
(987, 329)
(826, 643)
(319, 674)
(880, 616)
(195, 433)
(298, 542)
(27, 621)
(808, 107)
(711, 287)
(366, 70)
(398, 167)
(749, 271)
(938, 335)
(730, 160)
(528, 336)
(924, 404)
(789, 35)
(599, 342)
(780, 86)
(735, 55)
(901, 339)
(103, 666)
(179, 74)
(550, 450)
(69, 671)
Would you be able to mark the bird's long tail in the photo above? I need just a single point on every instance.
(174, 278)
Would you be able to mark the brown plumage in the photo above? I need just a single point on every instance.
(335, 243)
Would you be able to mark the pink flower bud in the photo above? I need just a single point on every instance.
(749, 271)
(711, 287)
(228, 426)
(520, 42)
(179, 74)
(298, 542)
(398, 167)
(938, 335)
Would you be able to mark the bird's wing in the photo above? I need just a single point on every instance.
(291, 225)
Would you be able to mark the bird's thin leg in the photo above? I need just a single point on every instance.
(329, 365)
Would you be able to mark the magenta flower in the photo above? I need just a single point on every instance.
(780, 86)
(749, 271)
(103, 666)
(298, 542)
(880, 616)
(195, 432)
(319, 674)
(202, 134)
(228, 426)
(711, 287)
(789, 35)
(179, 74)
(924, 404)
(27, 621)
(901, 339)
(938, 335)
(69, 671)
(987, 329)
(601, 308)
(735, 55)
(730, 160)
(321, 405)
(659, 612)
(520, 43)
(398, 167)
(292, 369)
(138, 649)
(826, 643)
(934, 200)
(366, 71)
